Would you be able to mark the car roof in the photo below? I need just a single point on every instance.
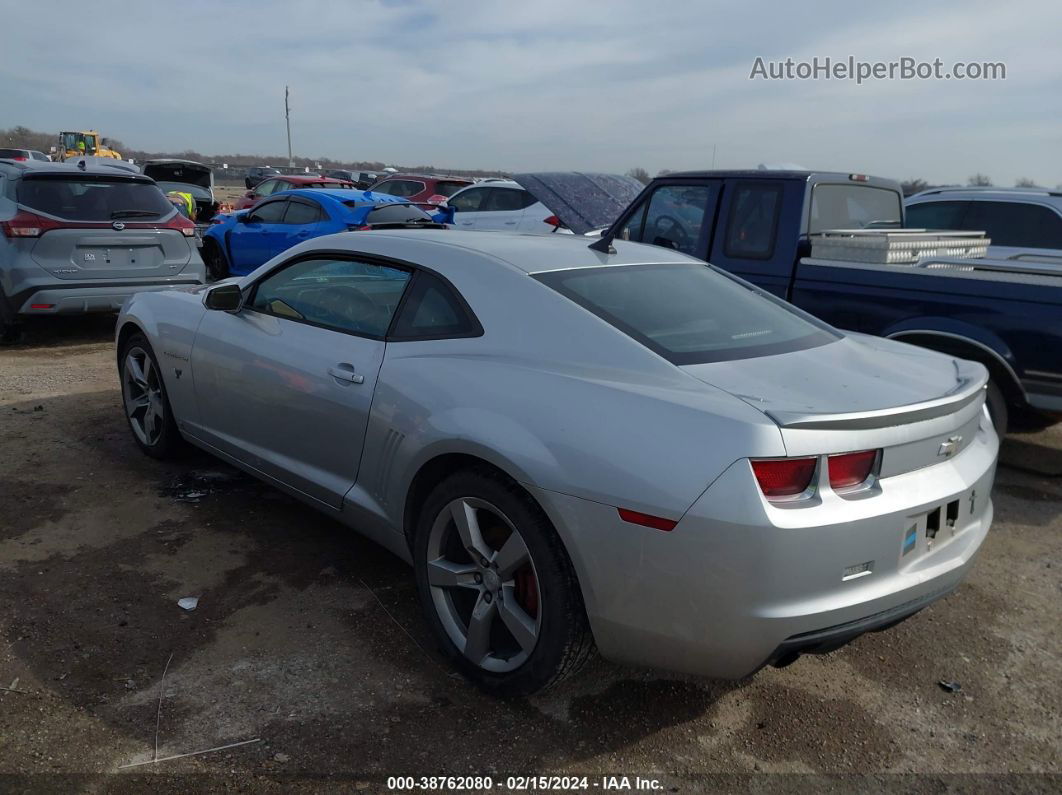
(306, 178)
(983, 192)
(436, 177)
(526, 253)
(34, 167)
(493, 183)
(342, 194)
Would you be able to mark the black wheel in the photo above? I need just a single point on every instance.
(497, 587)
(216, 264)
(997, 408)
(147, 407)
(10, 329)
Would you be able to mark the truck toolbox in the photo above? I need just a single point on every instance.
(906, 246)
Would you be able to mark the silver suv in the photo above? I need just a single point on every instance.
(81, 238)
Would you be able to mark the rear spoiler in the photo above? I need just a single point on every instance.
(970, 388)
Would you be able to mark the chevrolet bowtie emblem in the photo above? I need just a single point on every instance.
(949, 447)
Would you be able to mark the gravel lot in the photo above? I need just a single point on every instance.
(308, 639)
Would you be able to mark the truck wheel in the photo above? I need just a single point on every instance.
(997, 408)
(10, 329)
(497, 587)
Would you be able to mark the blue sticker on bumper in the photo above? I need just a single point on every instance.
(910, 539)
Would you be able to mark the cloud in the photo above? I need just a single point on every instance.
(550, 84)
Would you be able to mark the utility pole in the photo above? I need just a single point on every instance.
(287, 121)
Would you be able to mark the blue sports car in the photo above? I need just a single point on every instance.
(239, 242)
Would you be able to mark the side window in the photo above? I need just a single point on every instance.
(754, 210)
(266, 187)
(268, 212)
(469, 201)
(675, 216)
(502, 200)
(936, 215)
(1018, 224)
(526, 199)
(345, 295)
(301, 212)
(632, 229)
(432, 310)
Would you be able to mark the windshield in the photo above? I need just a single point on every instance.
(689, 313)
(853, 207)
(93, 198)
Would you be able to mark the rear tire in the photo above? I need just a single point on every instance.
(997, 408)
(510, 613)
(216, 264)
(144, 398)
(10, 329)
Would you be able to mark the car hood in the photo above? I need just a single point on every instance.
(857, 381)
(180, 171)
(582, 201)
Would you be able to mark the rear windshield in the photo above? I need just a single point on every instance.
(93, 198)
(396, 214)
(853, 207)
(13, 153)
(447, 188)
(689, 313)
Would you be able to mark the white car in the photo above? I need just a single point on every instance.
(502, 206)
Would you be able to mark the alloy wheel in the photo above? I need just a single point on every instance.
(483, 585)
(142, 395)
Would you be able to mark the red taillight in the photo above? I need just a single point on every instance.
(646, 520)
(182, 224)
(851, 469)
(27, 225)
(553, 221)
(784, 477)
(359, 227)
(42, 306)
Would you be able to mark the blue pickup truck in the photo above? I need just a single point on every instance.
(771, 228)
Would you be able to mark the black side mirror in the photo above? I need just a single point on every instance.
(225, 297)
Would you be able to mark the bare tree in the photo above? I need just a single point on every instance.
(639, 174)
(979, 181)
(663, 172)
(913, 186)
(1025, 182)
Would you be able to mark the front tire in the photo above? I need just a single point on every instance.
(147, 407)
(497, 587)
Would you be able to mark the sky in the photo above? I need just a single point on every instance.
(547, 84)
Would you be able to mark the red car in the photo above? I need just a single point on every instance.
(277, 184)
(418, 188)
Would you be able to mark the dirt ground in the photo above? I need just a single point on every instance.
(307, 640)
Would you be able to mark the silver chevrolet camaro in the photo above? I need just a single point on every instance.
(630, 450)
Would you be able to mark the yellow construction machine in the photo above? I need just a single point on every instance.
(83, 143)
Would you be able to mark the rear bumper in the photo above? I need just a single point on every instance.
(78, 299)
(740, 583)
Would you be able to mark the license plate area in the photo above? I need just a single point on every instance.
(924, 532)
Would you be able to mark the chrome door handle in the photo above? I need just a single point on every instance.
(345, 372)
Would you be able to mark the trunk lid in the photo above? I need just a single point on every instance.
(582, 201)
(861, 393)
(186, 171)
